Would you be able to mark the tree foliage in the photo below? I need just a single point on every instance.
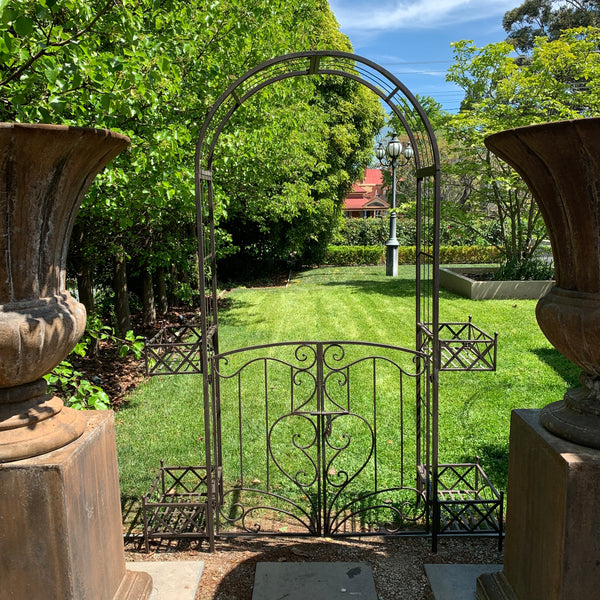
(284, 198)
(560, 81)
(548, 19)
(152, 69)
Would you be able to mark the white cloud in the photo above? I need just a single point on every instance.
(360, 15)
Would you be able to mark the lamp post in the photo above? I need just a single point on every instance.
(393, 151)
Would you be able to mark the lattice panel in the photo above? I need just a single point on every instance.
(175, 507)
(463, 346)
(174, 351)
(467, 502)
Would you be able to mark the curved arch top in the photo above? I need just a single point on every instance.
(401, 102)
(321, 62)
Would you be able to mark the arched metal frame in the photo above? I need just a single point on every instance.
(427, 193)
(427, 166)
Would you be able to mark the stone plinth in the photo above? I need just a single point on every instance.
(552, 529)
(61, 536)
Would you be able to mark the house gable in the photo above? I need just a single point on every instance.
(368, 197)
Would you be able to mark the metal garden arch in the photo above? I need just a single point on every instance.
(340, 488)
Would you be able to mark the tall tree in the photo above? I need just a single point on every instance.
(547, 18)
(152, 69)
(283, 193)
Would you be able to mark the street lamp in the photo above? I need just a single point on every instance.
(393, 151)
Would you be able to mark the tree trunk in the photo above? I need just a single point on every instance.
(161, 290)
(148, 308)
(85, 286)
(121, 295)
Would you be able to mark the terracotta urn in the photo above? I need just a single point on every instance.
(45, 171)
(560, 162)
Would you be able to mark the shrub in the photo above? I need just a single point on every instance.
(470, 254)
(361, 232)
(373, 231)
(530, 268)
(407, 255)
(455, 255)
(347, 256)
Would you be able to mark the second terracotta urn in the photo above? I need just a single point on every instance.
(560, 162)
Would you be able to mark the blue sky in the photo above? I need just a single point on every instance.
(411, 38)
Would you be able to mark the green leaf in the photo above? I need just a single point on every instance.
(6, 43)
(105, 101)
(163, 63)
(19, 98)
(23, 26)
(52, 73)
(57, 104)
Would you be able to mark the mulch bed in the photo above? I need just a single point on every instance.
(118, 375)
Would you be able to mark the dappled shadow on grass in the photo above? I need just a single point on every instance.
(131, 514)
(446, 295)
(394, 286)
(237, 313)
(135, 545)
(562, 366)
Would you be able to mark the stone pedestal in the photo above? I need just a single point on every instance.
(552, 547)
(61, 536)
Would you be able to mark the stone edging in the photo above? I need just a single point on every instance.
(453, 279)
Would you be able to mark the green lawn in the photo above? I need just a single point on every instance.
(163, 418)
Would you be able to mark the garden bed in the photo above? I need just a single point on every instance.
(460, 280)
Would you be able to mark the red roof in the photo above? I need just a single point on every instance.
(373, 177)
(354, 203)
(357, 189)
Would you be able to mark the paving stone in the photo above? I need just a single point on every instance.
(171, 580)
(314, 581)
(456, 582)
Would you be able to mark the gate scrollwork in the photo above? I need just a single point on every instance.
(325, 450)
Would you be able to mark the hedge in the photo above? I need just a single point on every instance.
(341, 256)
(347, 256)
(470, 254)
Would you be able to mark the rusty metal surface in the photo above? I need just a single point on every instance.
(463, 346)
(467, 503)
(174, 350)
(175, 506)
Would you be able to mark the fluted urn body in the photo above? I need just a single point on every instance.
(560, 162)
(45, 170)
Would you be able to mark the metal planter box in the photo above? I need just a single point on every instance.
(175, 506)
(467, 503)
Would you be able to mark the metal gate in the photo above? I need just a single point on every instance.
(323, 438)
